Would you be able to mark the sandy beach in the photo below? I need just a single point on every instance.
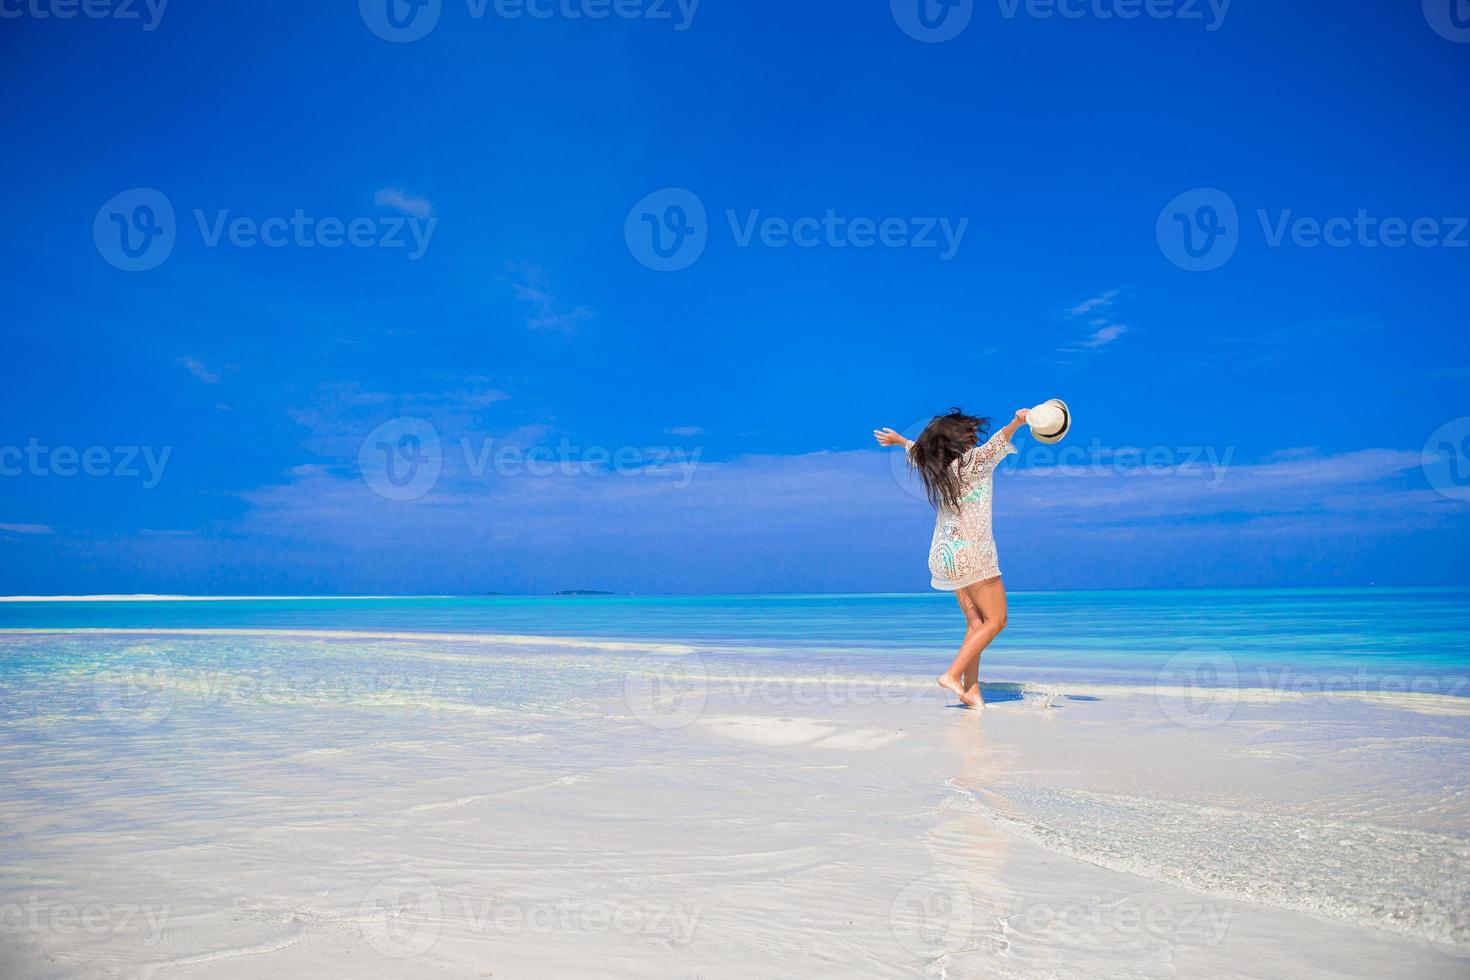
(237, 805)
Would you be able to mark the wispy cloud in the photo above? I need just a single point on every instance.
(401, 200)
(198, 368)
(1105, 328)
(1097, 302)
(830, 521)
(28, 528)
(1104, 335)
(549, 312)
(1109, 521)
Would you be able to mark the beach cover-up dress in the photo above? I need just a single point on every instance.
(962, 551)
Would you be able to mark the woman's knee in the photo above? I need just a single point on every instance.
(999, 623)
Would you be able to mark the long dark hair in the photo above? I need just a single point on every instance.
(945, 439)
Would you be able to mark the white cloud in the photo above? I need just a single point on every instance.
(548, 311)
(1104, 336)
(28, 528)
(1066, 517)
(1105, 331)
(401, 200)
(197, 368)
(846, 520)
(1097, 302)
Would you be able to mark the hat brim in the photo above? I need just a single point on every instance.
(1056, 436)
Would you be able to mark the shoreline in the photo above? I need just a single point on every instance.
(711, 674)
(928, 593)
(853, 837)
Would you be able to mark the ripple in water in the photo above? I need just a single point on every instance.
(1401, 880)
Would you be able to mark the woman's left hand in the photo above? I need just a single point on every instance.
(887, 437)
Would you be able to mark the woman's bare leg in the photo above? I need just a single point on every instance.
(975, 620)
(988, 600)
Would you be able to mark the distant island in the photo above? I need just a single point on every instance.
(582, 592)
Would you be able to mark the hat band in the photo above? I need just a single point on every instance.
(1066, 421)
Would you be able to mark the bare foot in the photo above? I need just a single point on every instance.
(950, 684)
(974, 692)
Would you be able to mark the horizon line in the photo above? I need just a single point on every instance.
(583, 594)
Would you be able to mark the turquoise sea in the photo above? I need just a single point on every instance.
(1361, 639)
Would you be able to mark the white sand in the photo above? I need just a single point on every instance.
(724, 830)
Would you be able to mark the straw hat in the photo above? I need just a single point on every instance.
(1050, 420)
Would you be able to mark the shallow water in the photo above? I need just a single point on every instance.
(752, 787)
(1318, 639)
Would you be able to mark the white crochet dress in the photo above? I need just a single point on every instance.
(962, 551)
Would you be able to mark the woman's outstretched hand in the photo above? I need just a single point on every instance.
(1016, 423)
(887, 437)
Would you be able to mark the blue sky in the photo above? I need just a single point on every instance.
(707, 429)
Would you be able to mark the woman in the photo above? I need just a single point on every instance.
(956, 472)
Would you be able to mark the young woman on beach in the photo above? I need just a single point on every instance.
(956, 469)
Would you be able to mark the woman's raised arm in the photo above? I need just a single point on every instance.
(887, 437)
(1016, 423)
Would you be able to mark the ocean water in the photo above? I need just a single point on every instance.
(1292, 762)
(1389, 640)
